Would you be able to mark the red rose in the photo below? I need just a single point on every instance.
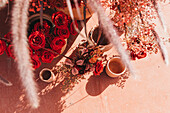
(57, 43)
(36, 40)
(60, 19)
(98, 68)
(45, 29)
(8, 37)
(35, 61)
(47, 56)
(57, 51)
(2, 47)
(141, 54)
(38, 52)
(10, 51)
(31, 51)
(133, 55)
(55, 31)
(49, 37)
(64, 33)
(71, 28)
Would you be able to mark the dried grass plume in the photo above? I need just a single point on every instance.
(21, 52)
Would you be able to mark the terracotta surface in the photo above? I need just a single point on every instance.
(149, 93)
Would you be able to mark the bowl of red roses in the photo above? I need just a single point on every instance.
(47, 40)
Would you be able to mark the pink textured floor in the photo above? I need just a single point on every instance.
(149, 93)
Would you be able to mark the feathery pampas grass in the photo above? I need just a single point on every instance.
(162, 47)
(110, 32)
(21, 52)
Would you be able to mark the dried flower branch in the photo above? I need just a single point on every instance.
(85, 59)
(134, 17)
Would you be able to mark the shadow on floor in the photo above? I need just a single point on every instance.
(49, 103)
(97, 84)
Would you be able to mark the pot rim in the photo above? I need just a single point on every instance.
(35, 16)
(115, 74)
(104, 47)
(91, 34)
(50, 79)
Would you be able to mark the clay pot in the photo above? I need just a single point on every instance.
(103, 42)
(46, 75)
(36, 18)
(115, 67)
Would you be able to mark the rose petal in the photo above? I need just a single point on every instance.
(8, 37)
(45, 29)
(141, 54)
(81, 47)
(36, 40)
(75, 71)
(72, 29)
(35, 61)
(57, 43)
(84, 51)
(92, 69)
(87, 67)
(60, 19)
(69, 62)
(98, 68)
(47, 56)
(10, 51)
(80, 62)
(2, 47)
(64, 32)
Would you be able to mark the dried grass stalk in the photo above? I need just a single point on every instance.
(21, 51)
(162, 47)
(160, 15)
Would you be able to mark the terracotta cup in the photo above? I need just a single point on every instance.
(115, 67)
(47, 75)
(103, 42)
